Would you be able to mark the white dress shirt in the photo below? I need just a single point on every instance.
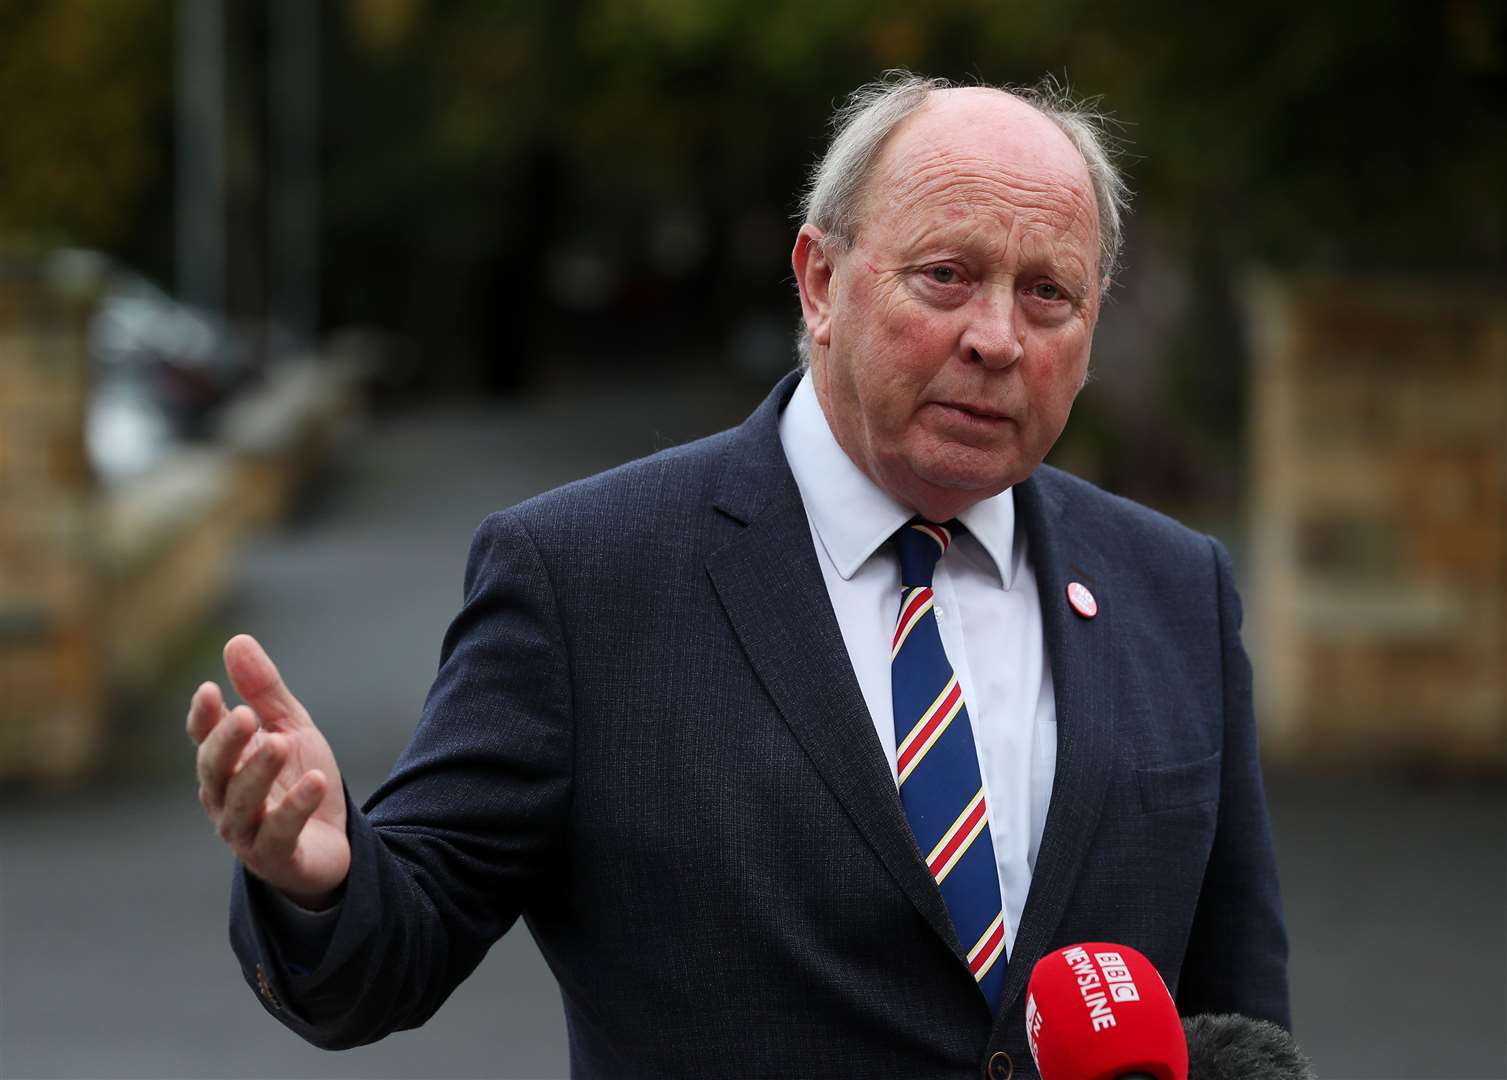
(989, 615)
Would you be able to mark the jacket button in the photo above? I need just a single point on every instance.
(264, 987)
(1000, 1067)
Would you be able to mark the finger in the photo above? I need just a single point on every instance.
(246, 794)
(255, 678)
(278, 837)
(219, 752)
(205, 709)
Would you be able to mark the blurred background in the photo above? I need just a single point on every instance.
(293, 293)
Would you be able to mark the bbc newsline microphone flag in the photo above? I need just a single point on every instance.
(1099, 1011)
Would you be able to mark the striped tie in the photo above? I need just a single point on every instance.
(940, 786)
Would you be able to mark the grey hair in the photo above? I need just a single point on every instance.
(860, 128)
(862, 124)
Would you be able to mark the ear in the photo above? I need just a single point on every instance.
(813, 276)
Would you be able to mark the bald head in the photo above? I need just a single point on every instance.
(1014, 126)
(835, 199)
(1011, 124)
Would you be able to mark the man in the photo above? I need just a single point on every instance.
(765, 813)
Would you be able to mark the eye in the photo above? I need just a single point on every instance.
(943, 275)
(1046, 290)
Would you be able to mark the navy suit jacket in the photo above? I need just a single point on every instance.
(646, 737)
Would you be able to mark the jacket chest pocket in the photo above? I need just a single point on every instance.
(1168, 787)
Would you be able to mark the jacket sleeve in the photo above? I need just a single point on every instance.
(463, 835)
(1236, 961)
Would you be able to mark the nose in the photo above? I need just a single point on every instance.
(991, 337)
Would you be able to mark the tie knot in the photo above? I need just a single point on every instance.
(921, 544)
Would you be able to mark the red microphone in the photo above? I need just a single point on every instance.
(1101, 1012)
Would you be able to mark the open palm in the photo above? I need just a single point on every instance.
(268, 779)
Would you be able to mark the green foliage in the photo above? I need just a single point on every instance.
(464, 141)
(85, 85)
(1350, 132)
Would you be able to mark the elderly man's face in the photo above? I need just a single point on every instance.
(950, 341)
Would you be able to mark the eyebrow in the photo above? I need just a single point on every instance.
(1065, 270)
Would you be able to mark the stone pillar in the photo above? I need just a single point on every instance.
(1379, 525)
(50, 686)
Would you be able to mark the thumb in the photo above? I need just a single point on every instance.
(255, 678)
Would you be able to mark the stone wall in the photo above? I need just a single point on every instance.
(50, 693)
(1379, 525)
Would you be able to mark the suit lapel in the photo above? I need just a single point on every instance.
(1083, 683)
(768, 580)
(771, 587)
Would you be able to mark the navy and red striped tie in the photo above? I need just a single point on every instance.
(937, 764)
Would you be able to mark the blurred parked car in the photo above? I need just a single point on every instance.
(162, 368)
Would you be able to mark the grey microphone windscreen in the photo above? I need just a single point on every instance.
(1232, 1047)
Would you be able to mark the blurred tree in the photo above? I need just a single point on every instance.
(511, 182)
(1352, 134)
(492, 142)
(85, 85)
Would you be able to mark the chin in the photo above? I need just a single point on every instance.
(965, 474)
(938, 497)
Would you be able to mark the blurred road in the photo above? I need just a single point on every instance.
(113, 956)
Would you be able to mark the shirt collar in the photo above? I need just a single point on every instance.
(851, 515)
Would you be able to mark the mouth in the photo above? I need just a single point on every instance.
(971, 412)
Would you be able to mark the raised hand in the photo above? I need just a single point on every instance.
(268, 779)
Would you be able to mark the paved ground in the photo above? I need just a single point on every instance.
(113, 961)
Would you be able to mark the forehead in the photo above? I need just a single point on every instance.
(977, 157)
